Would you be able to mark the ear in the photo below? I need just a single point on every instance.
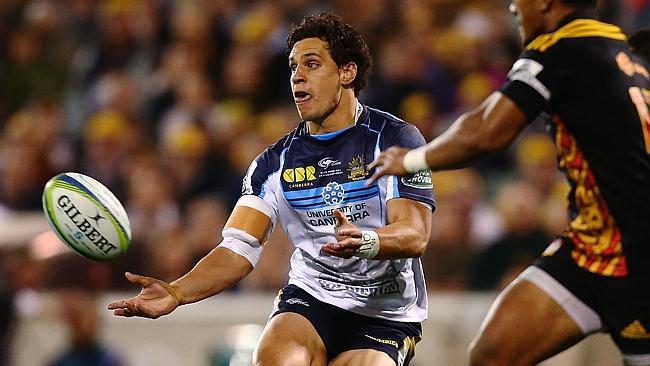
(545, 5)
(348, 73)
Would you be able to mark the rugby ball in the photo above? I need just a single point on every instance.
(86, 216)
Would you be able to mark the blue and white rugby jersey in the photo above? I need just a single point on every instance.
(304, 177)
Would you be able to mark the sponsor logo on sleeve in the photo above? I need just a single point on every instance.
(420, 180)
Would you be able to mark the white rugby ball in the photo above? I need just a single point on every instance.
(86, 216)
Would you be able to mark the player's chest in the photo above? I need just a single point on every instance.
(341, 166)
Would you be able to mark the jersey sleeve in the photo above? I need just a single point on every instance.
(418, 186)
(535, 78)
(261, 181)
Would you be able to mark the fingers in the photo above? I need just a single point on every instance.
(351, 232)
(378, 174)
(335, 250)
(116, 305)
(141, 280)
(377, 162)
(341, 219)
(122, 307)
(123, 312)
(344, 248)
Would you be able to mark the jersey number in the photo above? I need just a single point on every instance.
(644, 114)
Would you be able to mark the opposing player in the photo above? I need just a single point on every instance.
(356, 293)
(640, 43)
(596, 277)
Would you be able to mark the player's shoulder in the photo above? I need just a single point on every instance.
(272, 155)
(384, 122)
(392, 129)
(576, 31)
(285, 141)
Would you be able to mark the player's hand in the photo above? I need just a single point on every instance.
(348, 238)
(389, 162)
(156, 299)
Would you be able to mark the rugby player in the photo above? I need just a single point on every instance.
(356, 292)
(596, 276)
(640, 43)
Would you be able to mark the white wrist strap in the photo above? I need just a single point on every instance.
(370, 245)
(416, 160)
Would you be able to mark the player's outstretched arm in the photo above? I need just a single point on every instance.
(490, 127)
(218, 270)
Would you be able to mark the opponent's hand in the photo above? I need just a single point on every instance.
(157, 298)
(389, 162)
(348, 238)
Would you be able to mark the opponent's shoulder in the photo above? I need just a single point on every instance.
(575, 33)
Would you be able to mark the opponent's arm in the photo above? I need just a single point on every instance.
(405, 236)
(490, 127)
(218, 270)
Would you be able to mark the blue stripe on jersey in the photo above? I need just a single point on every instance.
(316, 192)
(304, 193)
(346, 200)
(348, 196)
(395, 187)
(331, 135)
(320, 195)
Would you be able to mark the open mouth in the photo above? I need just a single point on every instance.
(301, 97)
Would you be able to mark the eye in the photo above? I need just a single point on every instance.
(293, 67)
(312, 64)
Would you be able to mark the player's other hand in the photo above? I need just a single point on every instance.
(389, 162)
(348, 238)
(157, 298)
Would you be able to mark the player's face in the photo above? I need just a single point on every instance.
(315, 79)
(529, 17)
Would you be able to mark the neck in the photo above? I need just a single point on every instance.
(555, 14)
(340, 117)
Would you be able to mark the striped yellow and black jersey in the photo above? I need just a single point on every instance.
(596, 94)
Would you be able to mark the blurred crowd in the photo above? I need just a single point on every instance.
(167, 102)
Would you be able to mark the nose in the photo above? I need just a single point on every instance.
(297, 76)
(512, 8)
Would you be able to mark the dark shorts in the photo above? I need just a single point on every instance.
(342, 330)
(621, 304)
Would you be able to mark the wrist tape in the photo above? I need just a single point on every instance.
(416, 160)
(370, 245)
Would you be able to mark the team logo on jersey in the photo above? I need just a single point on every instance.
(420, 180)
(333, 193)
(301, 176)
(357, 168)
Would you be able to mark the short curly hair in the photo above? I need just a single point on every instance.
(345, 43)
